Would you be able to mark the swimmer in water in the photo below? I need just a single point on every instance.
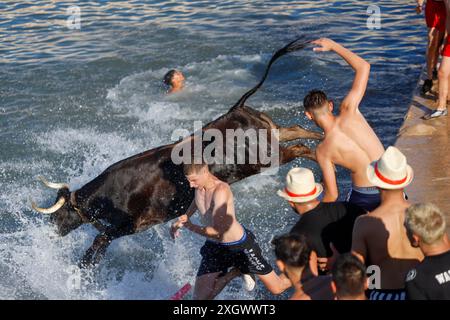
(174, 79)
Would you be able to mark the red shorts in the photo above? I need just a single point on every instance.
(446, 50)
(435, 14)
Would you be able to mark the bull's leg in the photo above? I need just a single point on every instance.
(287, 154)
(101, 242)
(297, 132)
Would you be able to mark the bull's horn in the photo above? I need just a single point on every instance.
(52, 184)
(52, 209)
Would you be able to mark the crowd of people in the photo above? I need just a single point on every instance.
(327, 253)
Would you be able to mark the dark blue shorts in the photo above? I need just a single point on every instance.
(244, 254)
(366, 198)
(386, 294)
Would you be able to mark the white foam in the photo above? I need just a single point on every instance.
(211, 85)
(143, 266)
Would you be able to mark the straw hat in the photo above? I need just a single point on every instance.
(391, 171)
(300, 186)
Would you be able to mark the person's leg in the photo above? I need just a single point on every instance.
(209, 285)
(443, 74)
(440, 36)
(205, 285)
(223, 280)
(432, 54)
(434, 37)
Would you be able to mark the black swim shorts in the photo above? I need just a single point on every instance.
(244, 254)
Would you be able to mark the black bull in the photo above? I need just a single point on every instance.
(149, 188)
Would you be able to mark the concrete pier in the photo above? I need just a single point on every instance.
(426, 144)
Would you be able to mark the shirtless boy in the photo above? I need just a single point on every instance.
(228, 244)
(349, 140)
(380, 237)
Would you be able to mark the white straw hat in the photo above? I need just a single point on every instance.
(391, 171)
(300, 186)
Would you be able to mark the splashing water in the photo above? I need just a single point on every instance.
(75, 102)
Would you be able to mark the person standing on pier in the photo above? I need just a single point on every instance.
(435, 15)
(443, 74)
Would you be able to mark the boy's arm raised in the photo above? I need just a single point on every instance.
(362, 70)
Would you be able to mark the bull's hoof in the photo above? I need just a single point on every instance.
(85, 265)
(87, 262)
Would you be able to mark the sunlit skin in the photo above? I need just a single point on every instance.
(349, 140)
(381, 238)
(215, 203)
(177, 82)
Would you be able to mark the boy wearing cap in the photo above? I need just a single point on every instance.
(380, 237)
(324, 224)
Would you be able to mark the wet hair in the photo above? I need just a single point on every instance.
(314, 101)
(349, 275)
(426, 221)
(193, 168)
(292, 250)
(167, 80)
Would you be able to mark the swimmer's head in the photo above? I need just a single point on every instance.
(196, 174)
(316, 105)
(174, 79)
(292, 254)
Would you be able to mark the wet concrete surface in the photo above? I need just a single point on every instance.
(426, 145)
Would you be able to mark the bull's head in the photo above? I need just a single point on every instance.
(62, 213)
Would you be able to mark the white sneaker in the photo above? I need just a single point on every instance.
(249, 281)
(435, 114)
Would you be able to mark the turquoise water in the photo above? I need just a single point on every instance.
(72, 102)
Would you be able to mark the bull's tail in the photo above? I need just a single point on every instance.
(295, 45)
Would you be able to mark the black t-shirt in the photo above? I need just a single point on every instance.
(430, 280)
(329, 222)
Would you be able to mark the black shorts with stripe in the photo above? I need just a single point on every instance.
(244, 254)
